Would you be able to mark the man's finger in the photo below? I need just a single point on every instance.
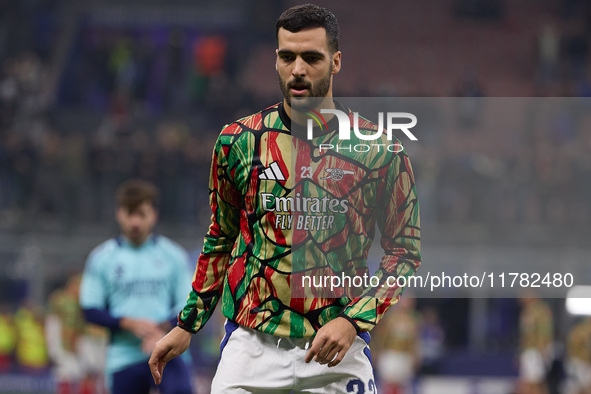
(157, 363)
(330, 356)
(335, 362)
(339, 356)
(322, 356)
(317, 344)
(155, 370)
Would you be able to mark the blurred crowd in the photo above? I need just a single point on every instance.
(149, 102)
(496, 176)
(72, 178)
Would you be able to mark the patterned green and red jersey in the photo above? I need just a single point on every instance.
(287, 215)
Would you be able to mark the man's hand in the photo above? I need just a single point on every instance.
(333, 339)
(141, 328)
(172, 345)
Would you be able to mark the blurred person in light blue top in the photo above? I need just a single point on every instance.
(135, 285)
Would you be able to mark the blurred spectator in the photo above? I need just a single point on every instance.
(7, 338)
(194, 178)
(74, 173)
(9, 92)
(175, 92)
(208, 61)
(31, 348)
(579, 358)
(536, 338)
(397, 348)
(547, 52)
(92, 350)
(576, 47)
(77, 349)
(100, 167)
(170, 139)
(23, 161)
(432, 338)
(64, 325)
(48, 193)
(469, 88)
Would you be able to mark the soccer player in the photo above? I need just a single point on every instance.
(283, 209)
(134, 284)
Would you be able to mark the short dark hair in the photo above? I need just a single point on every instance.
(134, 192)
(309, 16)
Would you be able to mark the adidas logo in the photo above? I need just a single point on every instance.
(272, 173)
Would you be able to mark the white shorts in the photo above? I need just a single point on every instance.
(531, 366)
(254, 362)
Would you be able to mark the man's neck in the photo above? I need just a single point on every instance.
(301, 117)
(137, 243)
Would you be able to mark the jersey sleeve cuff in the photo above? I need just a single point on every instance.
(180, 324)
(350, 320)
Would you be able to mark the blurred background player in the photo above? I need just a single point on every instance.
(134, 285)
(7, 337)
(64, 325)
(536, 337)
(92, 350)
(579, 358)
(77, 349)
(31, 346)
(396, 345)
(432, 342)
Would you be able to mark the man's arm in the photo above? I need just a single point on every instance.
(399, 224)
(398, 220)
(225, 201)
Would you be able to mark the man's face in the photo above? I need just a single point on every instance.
(137, 225)
(305, 65)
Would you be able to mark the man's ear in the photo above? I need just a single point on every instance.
(336, 62)
(276, 57)
(119, 212)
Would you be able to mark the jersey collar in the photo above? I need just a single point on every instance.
(123, 241)
(332, 124)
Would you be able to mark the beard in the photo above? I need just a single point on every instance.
(319, 89)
